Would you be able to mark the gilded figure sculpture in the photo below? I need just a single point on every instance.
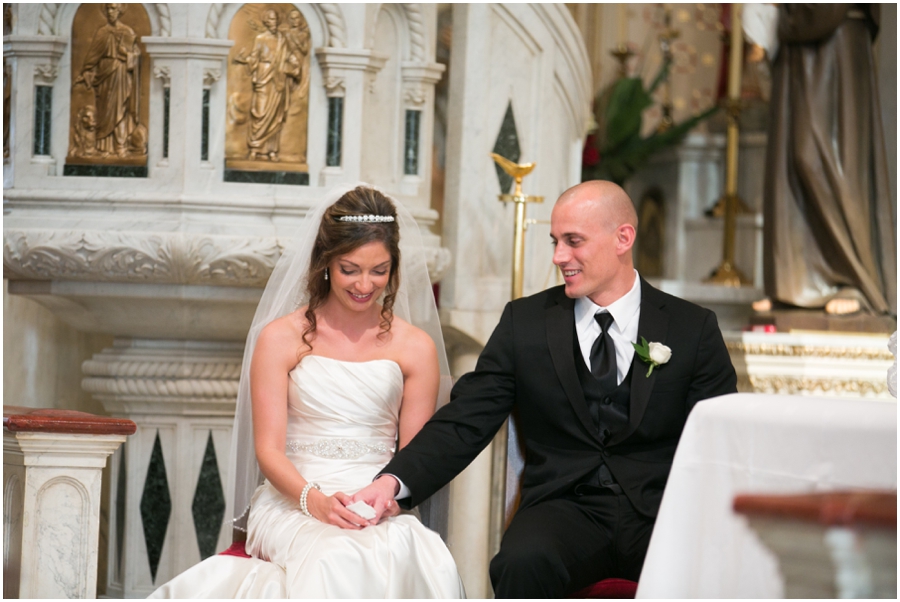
(110, 87)
(85, 131)
(272, 73)
(112, 70)
(268, 89)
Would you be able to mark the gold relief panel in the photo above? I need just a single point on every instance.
(109, 109)
(268, 90)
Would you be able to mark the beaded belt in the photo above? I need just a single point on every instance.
(338, 449)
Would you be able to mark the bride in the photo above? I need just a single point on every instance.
(328, 392)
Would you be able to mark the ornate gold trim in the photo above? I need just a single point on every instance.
(856, 353)
(791, 385)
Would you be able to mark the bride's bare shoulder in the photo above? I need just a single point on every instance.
(415, 342)
(286, 330)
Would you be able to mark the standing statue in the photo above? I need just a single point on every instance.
(270, 67)
(829, 234)
(111, 69)
(298, 40)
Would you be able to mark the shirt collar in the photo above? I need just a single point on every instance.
(622, 309)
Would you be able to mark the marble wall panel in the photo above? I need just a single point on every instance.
(42, 358)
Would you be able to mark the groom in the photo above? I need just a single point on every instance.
(599, 428)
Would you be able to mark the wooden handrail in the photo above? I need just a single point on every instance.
(42, 420)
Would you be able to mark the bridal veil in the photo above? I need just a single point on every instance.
(285, 292)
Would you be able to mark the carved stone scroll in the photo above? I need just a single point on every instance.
(109, 111)
(268, 91)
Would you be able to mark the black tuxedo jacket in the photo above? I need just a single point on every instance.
(528, 366)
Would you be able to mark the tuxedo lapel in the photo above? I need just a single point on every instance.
(653, 324)
(560, 321)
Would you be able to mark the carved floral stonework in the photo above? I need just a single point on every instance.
(109, 108)
(139, 257)
(268, 89)
(46, 72)
(160, 258)
(415, 95)
(211, 76)
(334, 87)
(163, 73)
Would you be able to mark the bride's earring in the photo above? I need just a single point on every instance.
(326, 273)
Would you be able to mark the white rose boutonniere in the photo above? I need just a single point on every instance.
(655, 354)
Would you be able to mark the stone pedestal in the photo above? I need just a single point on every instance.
(840, 365)
(171, 500)
(829, 545)
(52, 469)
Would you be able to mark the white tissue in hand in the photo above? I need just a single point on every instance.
(362, 509)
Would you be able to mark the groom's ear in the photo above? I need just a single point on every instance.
(625, 237)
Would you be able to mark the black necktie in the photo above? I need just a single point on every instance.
(603, 354)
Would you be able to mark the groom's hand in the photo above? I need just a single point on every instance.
(380, 495)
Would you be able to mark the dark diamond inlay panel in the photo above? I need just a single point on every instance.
(156, 507)
(121, 492)
(208, 507)
(507, 145)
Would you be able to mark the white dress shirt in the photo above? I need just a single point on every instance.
(626, 313)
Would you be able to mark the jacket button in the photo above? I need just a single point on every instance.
(605, 453)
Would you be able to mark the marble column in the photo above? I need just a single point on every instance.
(187, 66)
(52, 470)
(33, 60)
(419, 80)
(171, 499)
(347, 73)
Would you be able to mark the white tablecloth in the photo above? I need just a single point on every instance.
(755, 443)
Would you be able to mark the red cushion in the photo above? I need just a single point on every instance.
(236, 549)
(608, 588)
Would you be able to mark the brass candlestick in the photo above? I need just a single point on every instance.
(622, 53)
(727, 274)
(668, 35)
(517, 171)
(498, 450)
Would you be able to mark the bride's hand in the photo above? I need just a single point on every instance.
(380, 495)
(331, 509)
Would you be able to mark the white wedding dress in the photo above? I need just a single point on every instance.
(342, 428)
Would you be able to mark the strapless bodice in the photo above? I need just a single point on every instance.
(340, 410)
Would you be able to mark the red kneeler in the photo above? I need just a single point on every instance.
(236, 549)
(608, 588)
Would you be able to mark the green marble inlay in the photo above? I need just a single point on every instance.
(507, 145)
(208, 507)
(43, 110)
(166, 102)
(204, 136)
(335, 126)
(293, 178)
(156, 507)
(411, 149)
(106, 171)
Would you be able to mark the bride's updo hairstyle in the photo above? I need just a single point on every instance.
(336, 238)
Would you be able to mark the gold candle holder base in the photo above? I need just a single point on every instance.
(622, 53)
(728, 275)
(718, 210)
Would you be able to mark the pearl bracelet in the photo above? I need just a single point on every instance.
(304, 494)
